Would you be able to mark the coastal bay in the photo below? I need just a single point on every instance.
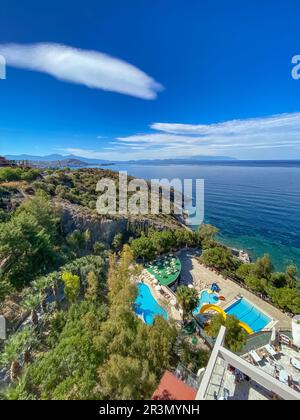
(256, 205)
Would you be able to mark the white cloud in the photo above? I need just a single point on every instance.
(234, 137)
(266, 138)
(90, 68)
(280, 122)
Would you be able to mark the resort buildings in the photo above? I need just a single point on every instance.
(229, 376)
(267, 368)
(4, 163)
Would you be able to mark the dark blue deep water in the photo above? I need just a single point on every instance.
(255, 204)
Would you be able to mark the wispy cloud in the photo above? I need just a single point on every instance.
(275, 136)
(90, 68)
(235, 127)
(234, 137)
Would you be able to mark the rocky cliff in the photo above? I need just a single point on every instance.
(104, 228)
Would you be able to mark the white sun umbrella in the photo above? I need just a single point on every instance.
(155, 281)
(190, 286)
(158, 288)
(173, 302)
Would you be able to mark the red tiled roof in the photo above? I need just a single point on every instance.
(172, 388)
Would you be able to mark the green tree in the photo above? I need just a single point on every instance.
(17, 344)
(117, 242)
(236, 336)
(126, 378)
(161, 339)
(188, 300)
(207, 234)
(72, 286)
(10, 174)
(286, 298)
(218, 257)
(27, 241)
(143, 248)
(99, 248)
(193, 358)
(92, 290)
(255, 284)
(27, 247)
(245, 270)
(162, 241)
(278, 280)
(78, 241)
(263, 267)
(291, 275)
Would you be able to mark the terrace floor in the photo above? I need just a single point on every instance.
(282, 362)
(223, 382)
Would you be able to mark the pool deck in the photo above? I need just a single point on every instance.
(203, 278)
(173, 312)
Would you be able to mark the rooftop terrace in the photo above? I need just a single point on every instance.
(230, 377)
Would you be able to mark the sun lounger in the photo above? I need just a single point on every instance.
(284, 377)
(270, 350)
(255, 356)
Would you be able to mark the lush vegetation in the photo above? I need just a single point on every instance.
(193, 358)
(85, 341)
(18, 174)
(236, 337)
(98, 348)
(188, 299)
(28, 243)
(154, 243)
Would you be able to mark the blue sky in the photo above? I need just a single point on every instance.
(132, 79)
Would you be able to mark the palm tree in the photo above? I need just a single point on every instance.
(188, 300)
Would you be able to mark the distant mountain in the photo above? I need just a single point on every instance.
(59, 158)
(186, 161)
(65, 163)
(56, 158)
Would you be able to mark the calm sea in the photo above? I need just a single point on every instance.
(255, 204)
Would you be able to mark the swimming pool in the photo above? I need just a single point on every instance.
(249, 314)
(204, 298)
(146, 306)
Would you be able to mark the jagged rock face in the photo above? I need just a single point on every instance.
(104, 228)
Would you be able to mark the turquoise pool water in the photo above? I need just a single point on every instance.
(205, 298)
(146, 306)
(249, 314)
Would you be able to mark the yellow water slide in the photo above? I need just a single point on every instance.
(215, 308)
(246, 327)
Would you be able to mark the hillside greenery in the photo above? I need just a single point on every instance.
(84, 340)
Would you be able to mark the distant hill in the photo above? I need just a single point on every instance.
(186, 161)
(74, 163)
(83, 160)
(56, 158)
